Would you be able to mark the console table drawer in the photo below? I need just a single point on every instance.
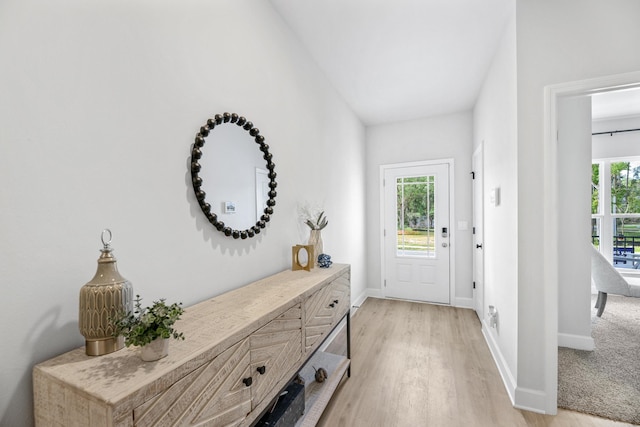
(340, 290)
(212, 394)
(324, 309)
(225, 390)
(276, 350)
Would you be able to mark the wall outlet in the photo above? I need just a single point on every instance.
(493, 317)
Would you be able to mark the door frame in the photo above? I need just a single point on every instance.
(551, 215)
(452, 229)
(478, 255)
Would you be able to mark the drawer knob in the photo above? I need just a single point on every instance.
(248, 381)
(262, 369)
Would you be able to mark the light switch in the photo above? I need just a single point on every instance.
(494, 196)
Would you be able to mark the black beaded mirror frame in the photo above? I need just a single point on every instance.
(196, 155)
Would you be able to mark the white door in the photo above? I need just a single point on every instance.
(417, 232)
(478, 236)
(262, 191)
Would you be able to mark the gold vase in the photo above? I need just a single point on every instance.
(101, 300)
(315, 239)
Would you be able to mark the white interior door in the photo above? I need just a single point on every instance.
(478, 232)
(262, 191)
(417, 232)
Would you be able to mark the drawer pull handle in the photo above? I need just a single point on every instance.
(248, 381)
(335, 301)
(332, 305)
(262, 369)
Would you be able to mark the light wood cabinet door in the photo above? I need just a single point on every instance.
(323, 309)
(276, 349)
(340, 297)
(213, 395)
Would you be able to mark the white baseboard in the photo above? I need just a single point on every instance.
(463, 303)
(359, 300)
(377, 293)
(505, 373)
(578, 342)
(368, 293)
(521, 397)
(530, 400)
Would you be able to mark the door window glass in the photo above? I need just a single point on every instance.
(415, 220)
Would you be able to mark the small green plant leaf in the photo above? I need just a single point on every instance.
(144, 325)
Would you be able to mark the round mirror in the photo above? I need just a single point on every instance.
(234, 183)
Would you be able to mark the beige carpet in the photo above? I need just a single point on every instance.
(606, 381)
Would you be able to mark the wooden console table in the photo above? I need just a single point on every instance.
(242, 348)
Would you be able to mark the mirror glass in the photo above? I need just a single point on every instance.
(231, 168)
(233, 175)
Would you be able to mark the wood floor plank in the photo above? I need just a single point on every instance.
(417, 364)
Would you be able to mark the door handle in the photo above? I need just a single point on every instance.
(444, 245)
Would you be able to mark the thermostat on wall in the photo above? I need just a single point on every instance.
(229, 207)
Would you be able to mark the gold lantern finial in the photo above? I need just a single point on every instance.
(102, 299)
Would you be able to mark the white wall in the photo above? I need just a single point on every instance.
(574, 224)
(557, 41)
(495, 125)
(432, 138)
(100, 104)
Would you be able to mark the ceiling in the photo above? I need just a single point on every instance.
(621, 103)
(405, 59)
(401, 59)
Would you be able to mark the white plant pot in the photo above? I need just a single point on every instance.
(155, 350)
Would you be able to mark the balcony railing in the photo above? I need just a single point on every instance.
(621, 243)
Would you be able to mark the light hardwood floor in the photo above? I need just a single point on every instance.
(422, 365)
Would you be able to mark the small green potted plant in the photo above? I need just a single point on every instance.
(150, 327)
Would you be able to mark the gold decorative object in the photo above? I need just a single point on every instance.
(101, 300)
(295, 257)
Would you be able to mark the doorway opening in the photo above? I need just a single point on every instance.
(552, 257)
